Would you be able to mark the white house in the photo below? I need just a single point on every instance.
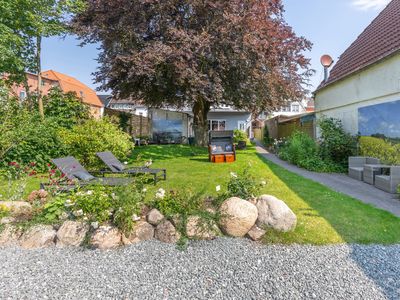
(363, 88)
(173, 125)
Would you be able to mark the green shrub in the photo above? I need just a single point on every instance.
(53, 209)
(65, 109)
(83, 141)
(40, 144)
(301, 150)
(177, 203)
(299, 147)
(243, 185)
(25, 137)
(335, 144)
(379, 148)
(239, 135)
(127, 202)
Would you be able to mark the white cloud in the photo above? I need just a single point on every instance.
(369, 4)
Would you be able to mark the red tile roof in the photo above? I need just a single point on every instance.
(378, 41)
(70, 84)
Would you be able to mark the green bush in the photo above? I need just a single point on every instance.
(83, 141)
(299, 147)
(40, 144)
(127, 201)
(335, 144)
(25, 137)
(239, 135)
(301, 150)
(65, 109)
(379, 148)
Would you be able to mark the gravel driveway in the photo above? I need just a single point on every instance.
(221, 269)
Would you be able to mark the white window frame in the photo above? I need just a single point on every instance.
(216, 120)
(297, 107)
(244, 123)
(22, 93)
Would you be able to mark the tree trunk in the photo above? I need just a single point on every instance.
(39, 72)
(200, 122)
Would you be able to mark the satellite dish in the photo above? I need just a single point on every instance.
(326, 61)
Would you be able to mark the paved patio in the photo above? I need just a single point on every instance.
(342, 183)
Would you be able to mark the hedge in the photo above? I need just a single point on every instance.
(379, 148)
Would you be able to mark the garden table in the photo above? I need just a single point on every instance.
(371, 170)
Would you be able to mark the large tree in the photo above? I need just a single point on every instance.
(197, 53)
(23, 24)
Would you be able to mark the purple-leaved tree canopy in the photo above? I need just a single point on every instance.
(197, 53)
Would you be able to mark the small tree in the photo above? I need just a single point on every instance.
(197, 54)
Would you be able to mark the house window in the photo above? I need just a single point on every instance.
(295, 108)
(22, 95)
(285, 108)
(242, 125)
(216, 125)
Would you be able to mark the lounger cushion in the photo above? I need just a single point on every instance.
(83, 176)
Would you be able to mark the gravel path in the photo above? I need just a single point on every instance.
(221, 269)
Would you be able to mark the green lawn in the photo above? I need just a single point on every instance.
(324, 216)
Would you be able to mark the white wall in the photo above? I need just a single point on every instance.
(374, 85)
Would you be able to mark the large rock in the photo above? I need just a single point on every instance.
(155, 217)
(39, 236)
(196, 228)
(142, 231)
(71, 234)
(238, 216)
(166, 232)
(106, 237)
(9, 236)
(18, 209)
(274, 213)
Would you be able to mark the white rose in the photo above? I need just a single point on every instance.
(95, 225)
(135, 217)
(78, 213)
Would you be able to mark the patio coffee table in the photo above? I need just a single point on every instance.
(371, 170)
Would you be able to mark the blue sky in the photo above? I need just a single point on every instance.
(330, 25)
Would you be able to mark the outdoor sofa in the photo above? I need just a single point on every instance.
(356, 166)
(117, 167)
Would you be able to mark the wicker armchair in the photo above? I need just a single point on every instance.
(389, 183)
(356, 165)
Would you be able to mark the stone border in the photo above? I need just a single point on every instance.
(240, 218)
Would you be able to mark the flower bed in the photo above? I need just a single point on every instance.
(104, 218)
